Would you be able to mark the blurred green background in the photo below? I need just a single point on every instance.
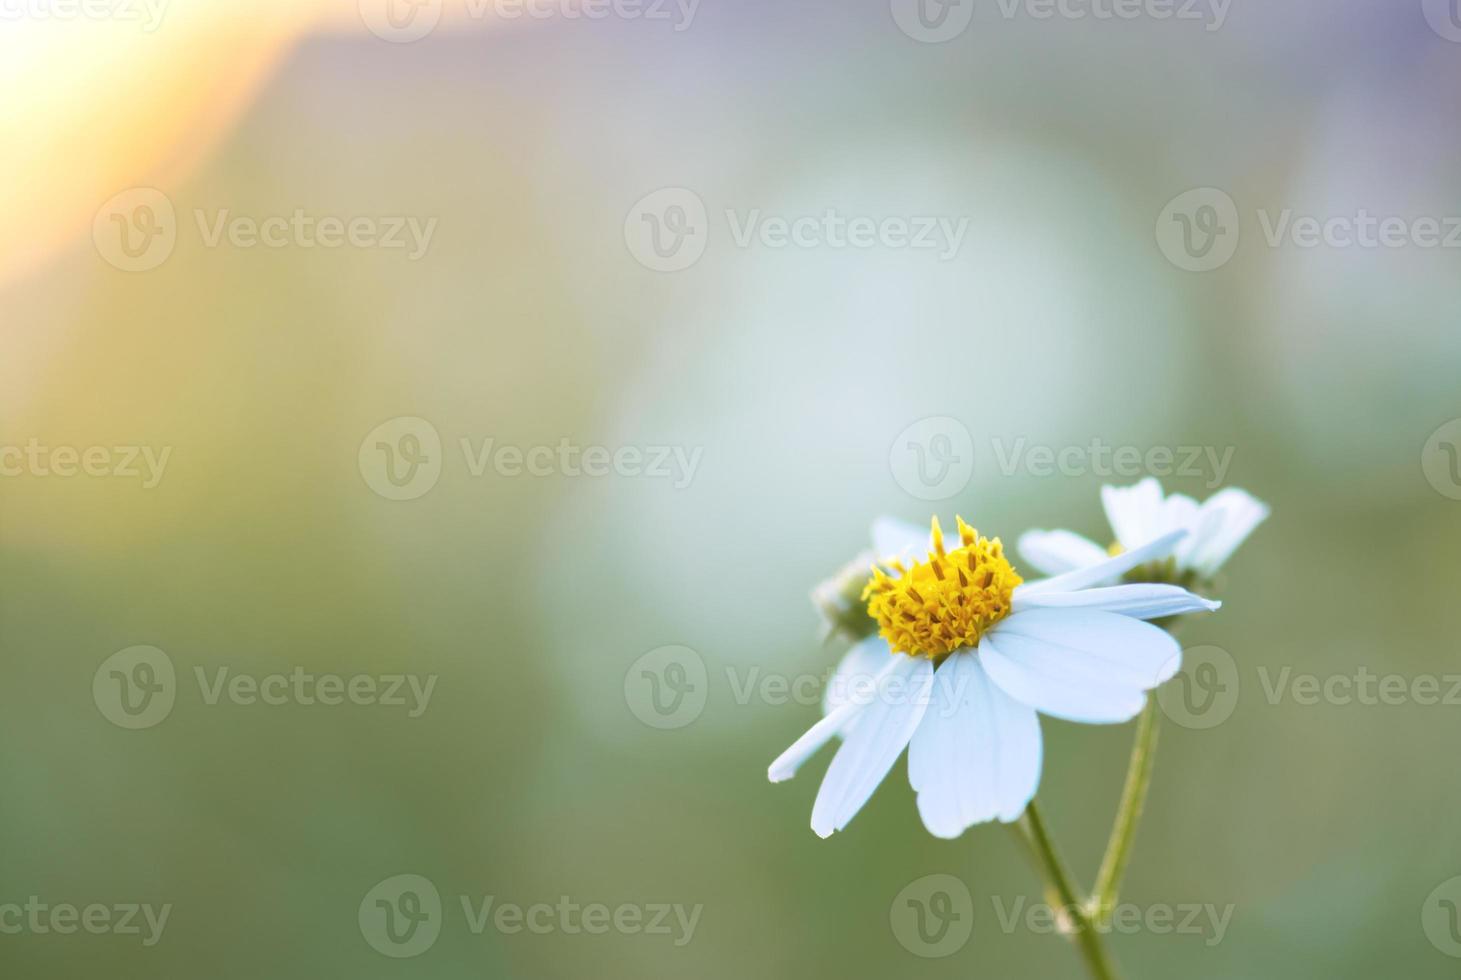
(530, 775)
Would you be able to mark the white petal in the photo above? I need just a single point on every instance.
(787, 763)
(1135, 512)
(882, 731)
(1109, 569)
(1140, 601)
(1178, 512)
(1201, 527)
(976, 755)
(893, 538)
(840, 716)
(1057, 552)
(1240, 512)
(856, 676)
(1079, 664)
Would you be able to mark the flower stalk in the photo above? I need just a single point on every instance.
(1089, 940)
(1128, 815)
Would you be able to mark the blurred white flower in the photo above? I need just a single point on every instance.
(1139, 514)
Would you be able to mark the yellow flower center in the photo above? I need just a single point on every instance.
(935, 607)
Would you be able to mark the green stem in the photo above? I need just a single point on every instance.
(1128, 815)
(1088, 941)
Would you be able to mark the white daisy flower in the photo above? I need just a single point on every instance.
(966, 654)
(1139, 514)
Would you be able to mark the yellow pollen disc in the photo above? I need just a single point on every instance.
(935, 607)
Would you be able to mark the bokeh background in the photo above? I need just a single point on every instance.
(1330, 371)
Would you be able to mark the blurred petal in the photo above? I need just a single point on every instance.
(1057, 552)
(893, 538)
(1134, 512)
(1239, 512)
